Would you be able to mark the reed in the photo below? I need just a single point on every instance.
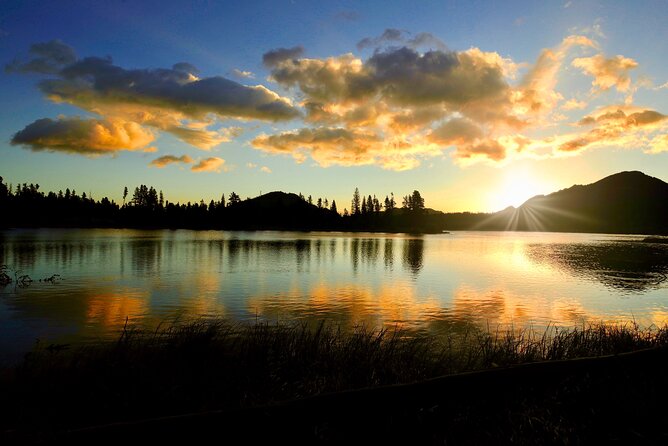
(201, 365)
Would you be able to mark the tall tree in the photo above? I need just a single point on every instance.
(355, 204)
(333, 208)
(234, 199)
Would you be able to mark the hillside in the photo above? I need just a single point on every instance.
(626, 202)
(278, 210)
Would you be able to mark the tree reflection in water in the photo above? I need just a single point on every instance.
(413, 257)
(630, 267)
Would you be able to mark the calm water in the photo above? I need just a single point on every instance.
(431, 283)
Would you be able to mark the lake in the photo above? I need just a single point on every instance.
(430, 283)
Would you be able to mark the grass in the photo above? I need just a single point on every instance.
(208, 365)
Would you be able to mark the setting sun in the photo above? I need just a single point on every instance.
(516, 187)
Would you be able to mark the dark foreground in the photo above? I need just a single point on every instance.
(265, 384)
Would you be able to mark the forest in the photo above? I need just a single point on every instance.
(26, 205)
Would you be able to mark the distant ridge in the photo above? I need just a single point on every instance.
(626, 202)
(278, 210)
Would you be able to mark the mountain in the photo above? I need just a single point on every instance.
(626, 202)
(278, 210)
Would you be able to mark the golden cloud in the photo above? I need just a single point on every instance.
(621, 125)
(340, 146)
(537, 94)
(84, 136)
(395, 108)
(659, 144)
(174, 100)
(574, 104)
(607, 72)
(166, 160)
(213, 164)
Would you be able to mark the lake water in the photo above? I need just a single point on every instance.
(428, 283)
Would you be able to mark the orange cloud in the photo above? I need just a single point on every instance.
(174, 100)
(619, 125)
(607, 72)
(166, 160)
(213, 164)
(537, 94)
(84, 136)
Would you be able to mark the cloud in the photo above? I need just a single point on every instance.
(389, 35)
(166, 160)
(83, 136)
(622, 125)
(243, 74)
(398, 95)
(392, 35)
(278, 55)
(574, 104)
(46, 58)
(173, 100)
(94, 83)
(411, 99)
(202, 138)
(659, 144)
(401, 105)
(537, 93)
(265, 169)
(607, 72)
(185, 67)
(213, 164)
(339, 146)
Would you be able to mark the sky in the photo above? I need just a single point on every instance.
(478, 105)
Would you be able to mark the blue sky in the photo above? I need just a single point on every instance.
(555, 94)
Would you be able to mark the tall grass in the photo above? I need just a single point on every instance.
(203, 365)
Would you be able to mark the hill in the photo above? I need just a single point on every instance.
(626, 202)
(278, 210)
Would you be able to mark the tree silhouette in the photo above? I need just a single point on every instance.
(234, 199)
(4, 191)
(355, 204)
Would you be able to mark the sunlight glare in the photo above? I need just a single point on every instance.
(516, 187)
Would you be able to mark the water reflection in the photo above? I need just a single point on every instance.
(391, 305)
(413, 255)
(145, 255)
(630, 267)
(439, 282)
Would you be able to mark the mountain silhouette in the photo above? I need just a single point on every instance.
(626, 202)
(278, 210)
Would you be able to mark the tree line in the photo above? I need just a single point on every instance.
(26, 205)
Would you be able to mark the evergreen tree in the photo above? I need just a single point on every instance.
(417, 202)
(333, 208)
(234, 199)
(4, 192)
(355, 204)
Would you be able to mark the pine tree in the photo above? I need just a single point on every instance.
(355, 204)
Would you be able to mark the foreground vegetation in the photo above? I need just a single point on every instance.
(211, 365)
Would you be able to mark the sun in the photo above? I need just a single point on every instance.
(515, 187)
